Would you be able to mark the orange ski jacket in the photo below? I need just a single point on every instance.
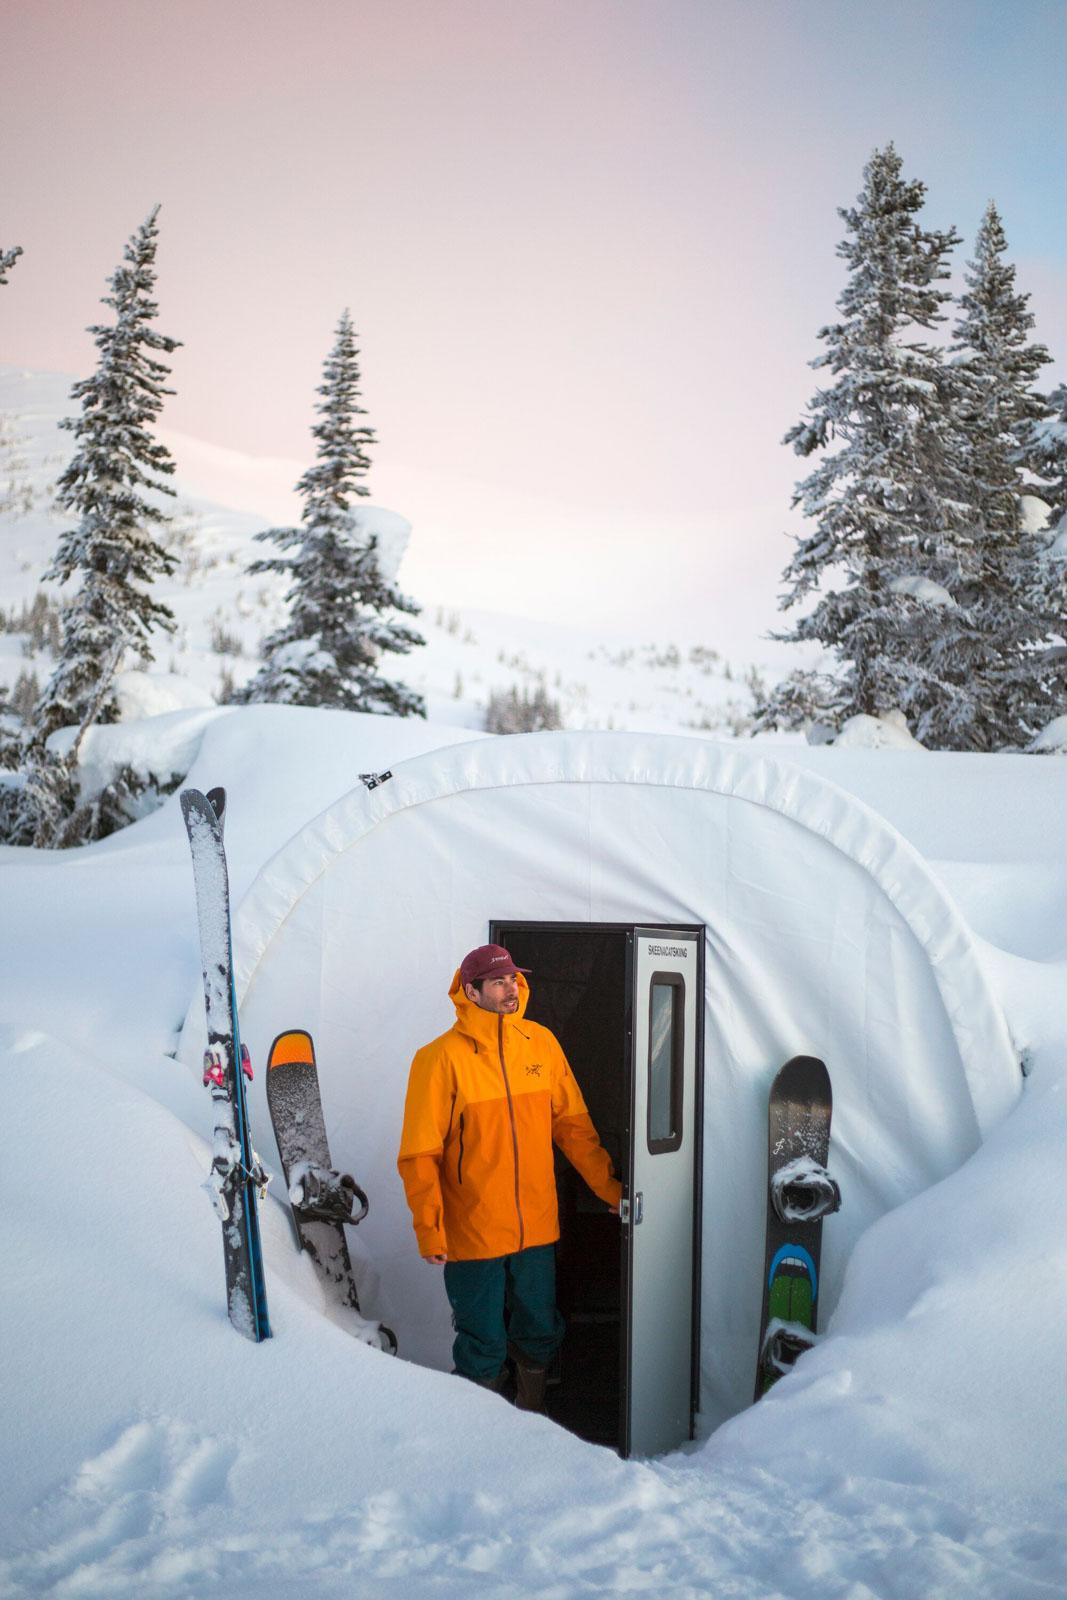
(485, 1103)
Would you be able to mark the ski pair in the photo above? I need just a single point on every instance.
(323, 1199)
(800, 1193)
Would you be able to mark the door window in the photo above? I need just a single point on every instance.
(666, 1010)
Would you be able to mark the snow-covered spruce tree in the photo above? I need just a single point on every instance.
(7, 260)
(989, 649)
(886, 496)
(340, 623)
(111, 549)
(116, 466)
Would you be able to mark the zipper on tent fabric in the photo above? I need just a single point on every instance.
(514, 1135)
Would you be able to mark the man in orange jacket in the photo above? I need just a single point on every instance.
(485, 1103)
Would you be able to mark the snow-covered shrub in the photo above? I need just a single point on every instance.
(510, 711)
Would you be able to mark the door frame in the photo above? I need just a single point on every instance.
(497, 925)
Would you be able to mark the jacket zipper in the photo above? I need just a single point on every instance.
(459, 1168)
(514, 1135)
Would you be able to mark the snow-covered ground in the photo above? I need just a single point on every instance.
(148, 1451)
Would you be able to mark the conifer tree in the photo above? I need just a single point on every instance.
(118, 463)
(328, 651)
(885, 497)
(988, 656)
(7, 260)
(113, 552)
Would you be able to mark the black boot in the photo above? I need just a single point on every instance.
(530, 1378)
(497, 1384)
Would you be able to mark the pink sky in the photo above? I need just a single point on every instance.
(587, 246)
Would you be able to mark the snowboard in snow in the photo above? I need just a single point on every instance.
(236, 1174)
(800, 1194)
(323, 1200)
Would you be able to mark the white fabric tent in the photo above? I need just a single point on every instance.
(826, 935)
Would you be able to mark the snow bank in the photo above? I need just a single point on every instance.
(161, 747)
(1051, 740)
(887, 732)
(149, 1451)
(153, 694)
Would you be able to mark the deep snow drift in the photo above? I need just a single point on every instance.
(150, 1451)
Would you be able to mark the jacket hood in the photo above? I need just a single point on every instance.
(479, 1025)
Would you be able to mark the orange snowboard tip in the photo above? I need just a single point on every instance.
(292, 1047)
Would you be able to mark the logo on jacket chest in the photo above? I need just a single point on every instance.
(534, 1069)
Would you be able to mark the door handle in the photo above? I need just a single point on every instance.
(632, 1212)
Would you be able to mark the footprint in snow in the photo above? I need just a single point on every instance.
(126, 1513)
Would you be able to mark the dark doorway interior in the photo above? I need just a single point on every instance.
(580, 988)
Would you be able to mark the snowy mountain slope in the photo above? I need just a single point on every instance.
(218, 609)
(149, 1451)
(223, 499)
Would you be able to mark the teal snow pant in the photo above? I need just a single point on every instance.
(523, 1286)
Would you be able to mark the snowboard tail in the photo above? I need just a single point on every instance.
(322, 1200)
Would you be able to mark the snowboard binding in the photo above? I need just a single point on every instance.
(783, 1344)
(803, 1191)
(318, 1194)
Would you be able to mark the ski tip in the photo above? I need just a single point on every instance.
(294, 1048)
(217, 799)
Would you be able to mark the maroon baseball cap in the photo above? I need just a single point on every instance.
(488, 961)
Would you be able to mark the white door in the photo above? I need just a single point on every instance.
(659, 1206)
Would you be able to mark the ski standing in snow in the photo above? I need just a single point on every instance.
(237, 1174)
